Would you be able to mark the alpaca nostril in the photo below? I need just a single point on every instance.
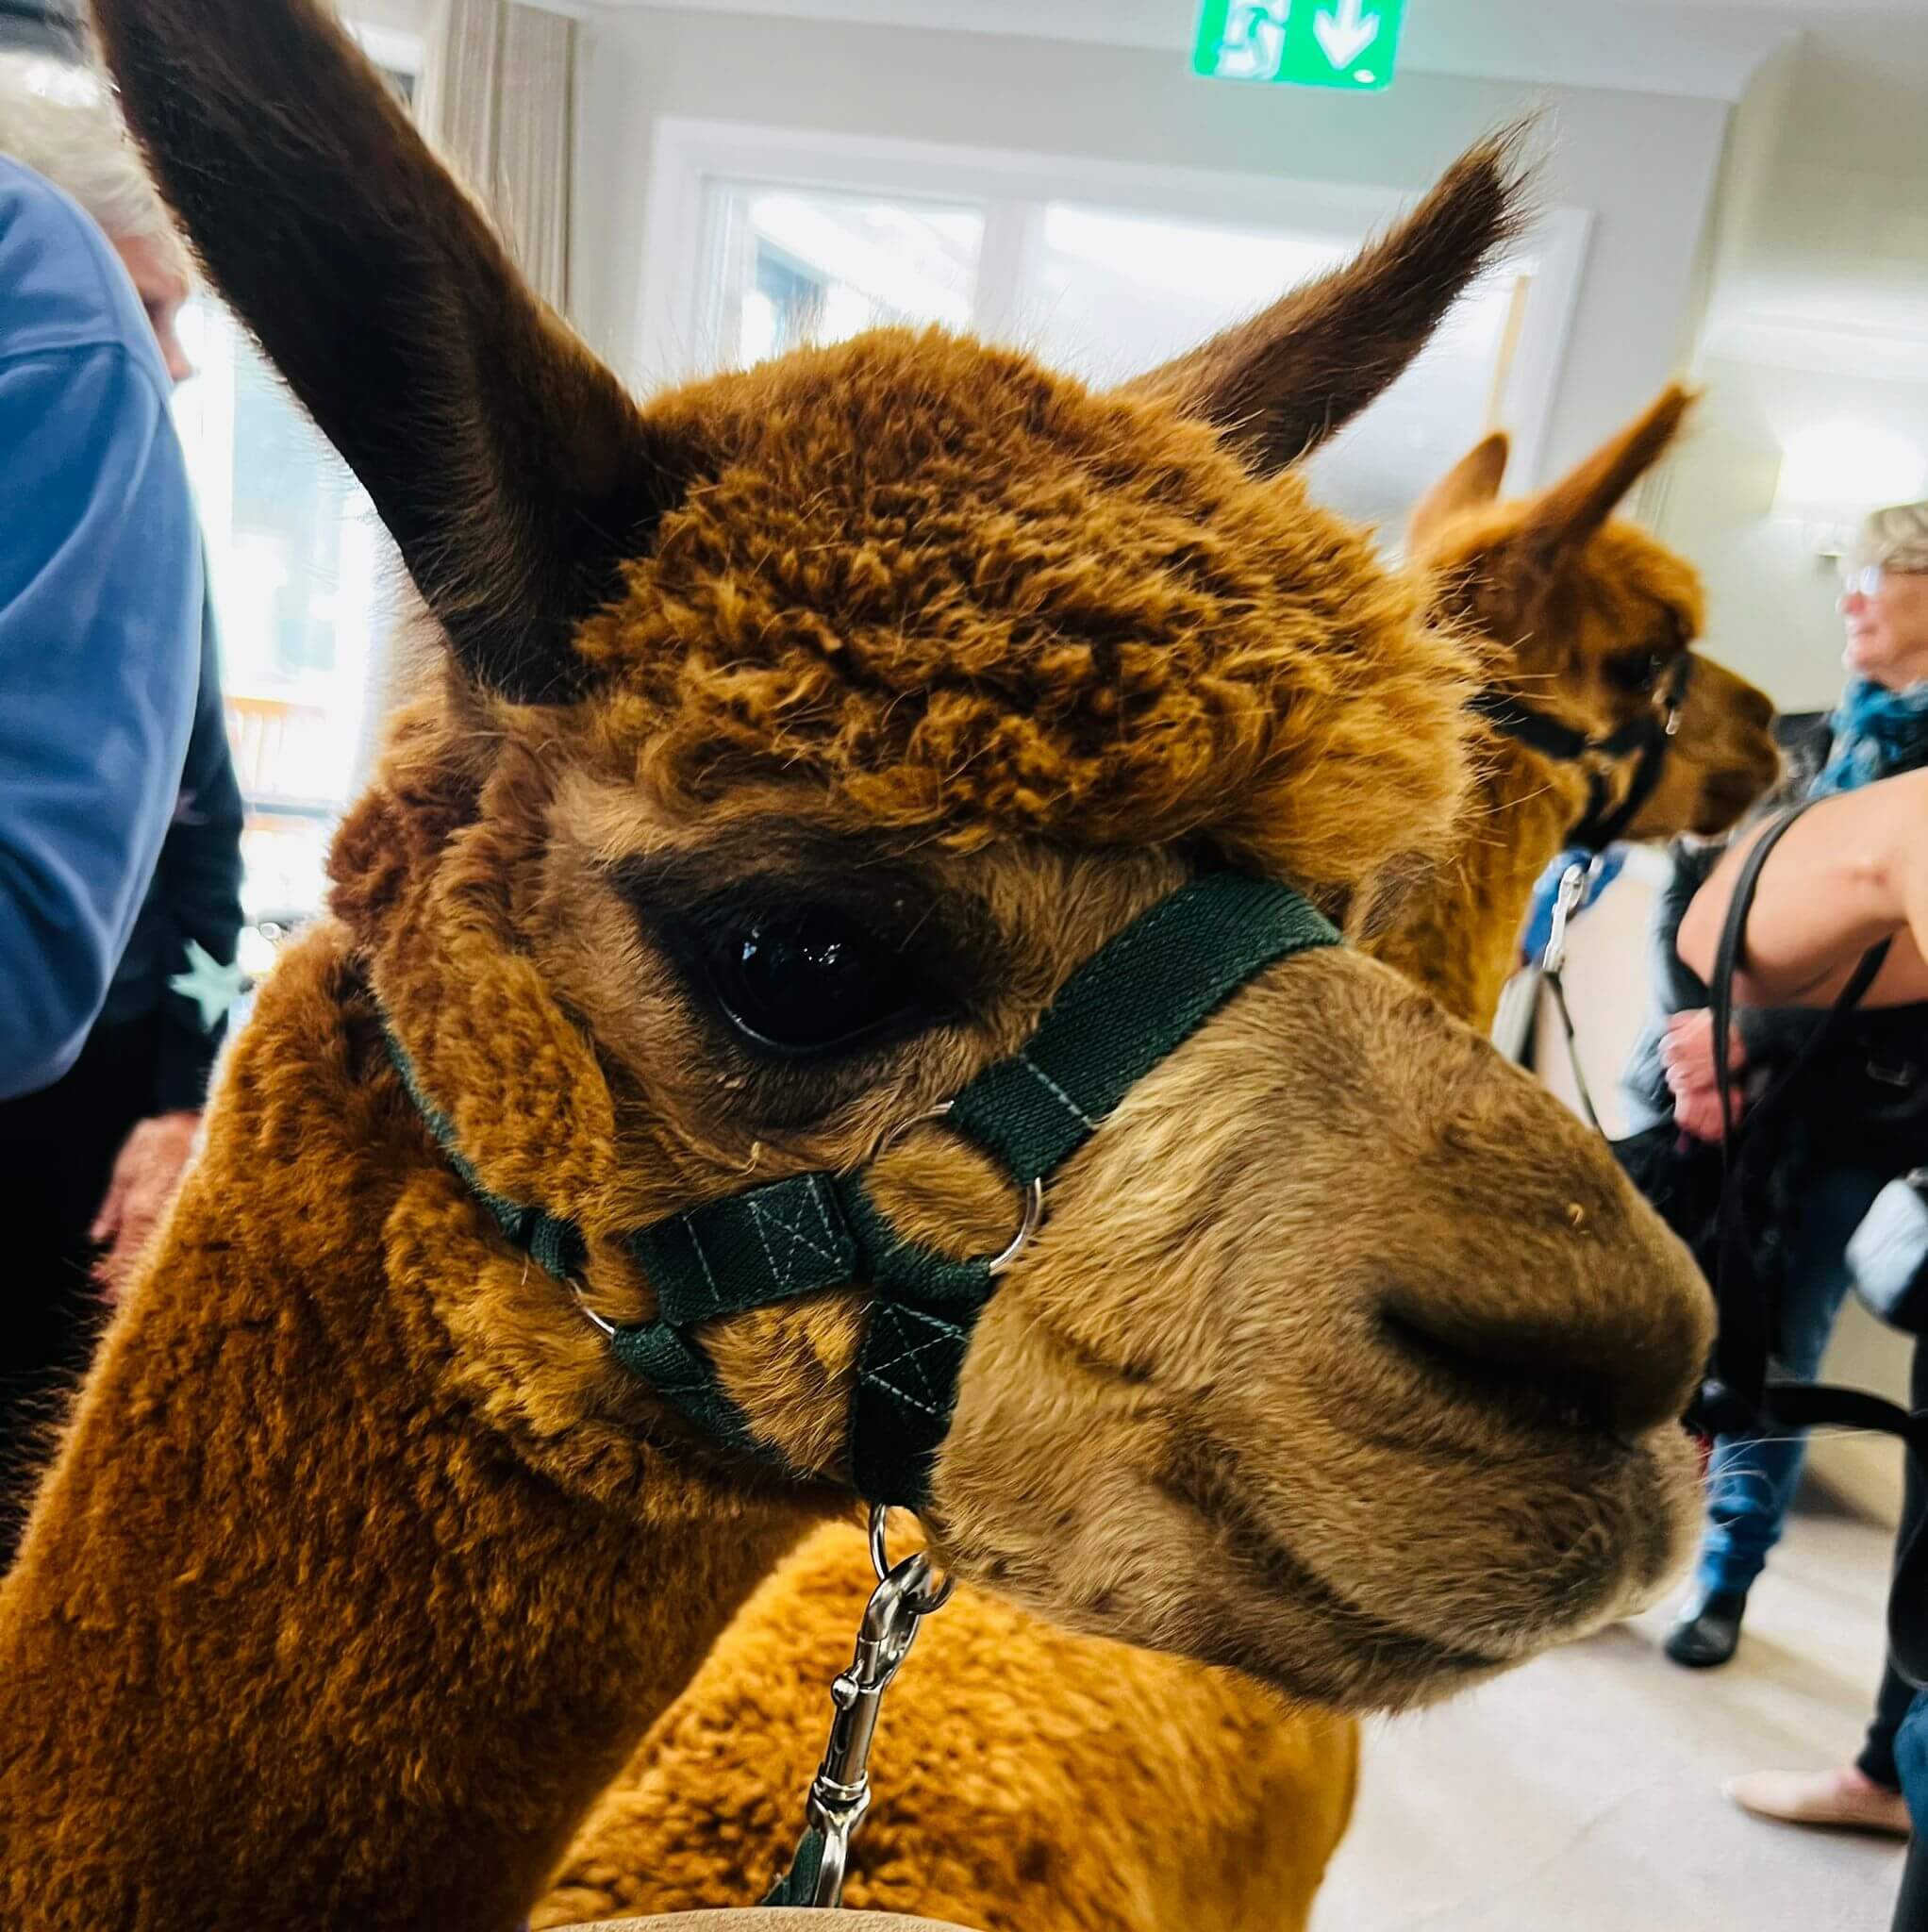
(1529, 1375)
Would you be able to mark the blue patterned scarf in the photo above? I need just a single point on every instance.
(1877, 732)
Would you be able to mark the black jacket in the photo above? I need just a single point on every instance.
(194, 897)
(1855, 1108)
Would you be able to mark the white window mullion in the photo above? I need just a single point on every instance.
(1008, 267)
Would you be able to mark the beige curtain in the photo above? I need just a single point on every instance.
(498, 97)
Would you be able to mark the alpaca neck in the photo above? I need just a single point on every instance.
(325, 1616)
(1458, 937)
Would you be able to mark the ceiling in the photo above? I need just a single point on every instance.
(1698, 47)
(1832, 267)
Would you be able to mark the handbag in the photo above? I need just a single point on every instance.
(1681, 1178)
(1888, 1255)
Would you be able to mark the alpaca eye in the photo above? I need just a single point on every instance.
(1640, 671)
(806, 980)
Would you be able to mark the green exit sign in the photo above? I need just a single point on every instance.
(1347, 43)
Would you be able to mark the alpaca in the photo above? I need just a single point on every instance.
(1590, 624)
(1189, 1773)
(1026, 1778)
(803, 747)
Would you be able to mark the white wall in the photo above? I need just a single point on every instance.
(398, 16)
(1770, 596)
(1843, 238)
(1644, 163)
(1817, 314)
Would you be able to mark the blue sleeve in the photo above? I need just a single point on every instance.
(1537, 931)
(100, 603)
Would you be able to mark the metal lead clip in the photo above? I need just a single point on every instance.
(1566, 901)
(841, 1792)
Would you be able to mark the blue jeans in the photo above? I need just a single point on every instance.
(1750, 1479)
(1911, 1760)
(1911, 1756)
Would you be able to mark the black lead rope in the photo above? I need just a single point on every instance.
(1740, 1395)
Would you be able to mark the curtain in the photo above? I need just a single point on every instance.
(498, 98)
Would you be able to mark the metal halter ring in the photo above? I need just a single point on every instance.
(1673, 699)
(1034, 1193)
(921, 1603)
(589, 1314)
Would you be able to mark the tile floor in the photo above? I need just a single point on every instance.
(1583, 1792)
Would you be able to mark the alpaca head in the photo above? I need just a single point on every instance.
(1595, 621)
(797, 736)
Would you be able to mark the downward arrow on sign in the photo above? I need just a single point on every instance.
(1347, 34)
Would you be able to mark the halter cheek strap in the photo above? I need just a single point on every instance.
(1130, 1005)
(1649, 736)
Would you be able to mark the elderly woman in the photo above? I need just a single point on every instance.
(1834, 1150)
(120, 818)
(1850, 874)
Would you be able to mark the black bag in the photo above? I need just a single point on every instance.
(1681, 1178)
(1741, 1395)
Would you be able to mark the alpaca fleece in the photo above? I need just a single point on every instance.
(1025, 1778)
(300, 1550)
(982, 602)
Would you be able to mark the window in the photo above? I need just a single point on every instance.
(1114, 292)
(298, 570)
(40, 27)
(801, 267)
(762, 239)
(295, 567)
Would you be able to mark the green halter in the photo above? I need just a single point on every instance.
(1127, 1007)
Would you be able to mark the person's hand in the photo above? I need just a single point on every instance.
(1687, 1054)
(146, 1172)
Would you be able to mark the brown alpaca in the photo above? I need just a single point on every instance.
(1589, 622)
(800, 740)
(1175, 1774)
(1026, 1778)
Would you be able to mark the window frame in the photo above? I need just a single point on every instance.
(683, 241)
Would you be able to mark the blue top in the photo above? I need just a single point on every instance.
(100, 622)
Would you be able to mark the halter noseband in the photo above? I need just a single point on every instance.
(1131, 1004)
(1648, 735)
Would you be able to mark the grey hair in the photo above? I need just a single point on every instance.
(61, 121)
(1896, 538)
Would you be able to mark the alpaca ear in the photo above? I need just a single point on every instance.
(1280, 384)
(511, 469)
(1472, 482)
(1559, 524)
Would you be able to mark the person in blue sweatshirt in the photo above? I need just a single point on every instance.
(120, 820)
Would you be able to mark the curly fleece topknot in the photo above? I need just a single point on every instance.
(970, 598)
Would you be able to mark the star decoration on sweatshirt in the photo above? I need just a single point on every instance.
(212, 987)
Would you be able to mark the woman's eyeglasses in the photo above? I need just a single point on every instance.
(1865, 582)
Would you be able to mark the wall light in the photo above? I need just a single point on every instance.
(1833, 473)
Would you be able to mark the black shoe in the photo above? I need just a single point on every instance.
(1708, 1629)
